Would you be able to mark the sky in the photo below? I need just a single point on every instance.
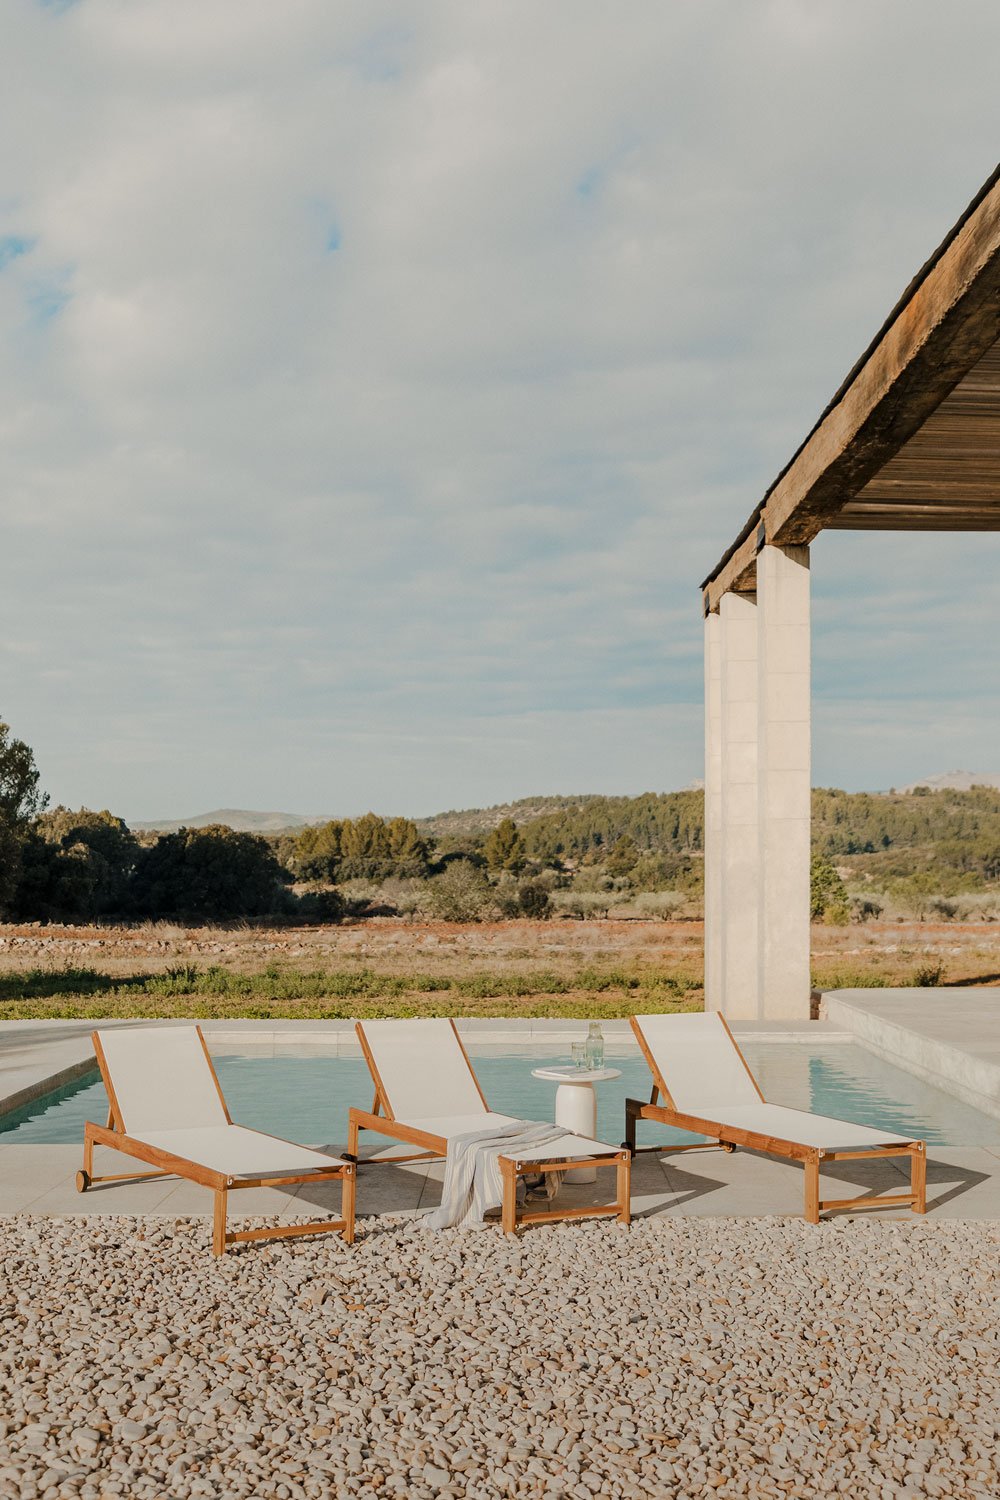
(378, 382)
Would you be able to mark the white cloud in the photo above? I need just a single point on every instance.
(380, 382)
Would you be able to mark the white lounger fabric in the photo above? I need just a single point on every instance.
(698, 1062)
(421, 1063)
(160, 1078)
(707, 1078)
(238, 1152)
(803, 1128)
(168, 1099)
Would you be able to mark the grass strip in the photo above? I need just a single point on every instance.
(276, 993)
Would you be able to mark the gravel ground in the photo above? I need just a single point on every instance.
(678, 1358)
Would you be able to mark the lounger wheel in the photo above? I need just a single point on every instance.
(82, 1181)
(727, 1145)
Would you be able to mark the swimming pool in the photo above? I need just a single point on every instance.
(304, 1092)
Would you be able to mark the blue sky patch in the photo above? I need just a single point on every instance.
(48, 296)
(12, 246)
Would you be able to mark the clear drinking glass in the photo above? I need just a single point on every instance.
(578, 1052)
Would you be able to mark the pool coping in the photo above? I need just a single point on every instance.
(946, 1037)
(36, 1076)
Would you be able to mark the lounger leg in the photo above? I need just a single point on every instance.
(508, 1211)
(918, 1178)
(632, 1108)
(624, 1179)
(348, 1187)
(812, 1189)
(352, 1138)
(219, 1223)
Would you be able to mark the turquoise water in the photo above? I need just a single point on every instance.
(304, 1093)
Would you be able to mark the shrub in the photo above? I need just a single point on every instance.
(461, 894)
(533, 900)
(662, 904)
(583, 904)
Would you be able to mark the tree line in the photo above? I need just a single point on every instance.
(583, 858)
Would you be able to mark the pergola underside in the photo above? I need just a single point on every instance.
(947, 476)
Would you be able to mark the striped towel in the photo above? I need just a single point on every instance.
(472, 1181)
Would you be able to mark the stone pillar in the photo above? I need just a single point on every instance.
(785, 783)
(740, 835)
(713, 812)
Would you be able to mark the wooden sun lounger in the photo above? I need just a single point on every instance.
(166, 1108)
(421, 1065)
(708, 1088)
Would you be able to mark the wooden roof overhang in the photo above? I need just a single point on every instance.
(911, 441)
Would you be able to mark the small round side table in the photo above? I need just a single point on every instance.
(576, 1105)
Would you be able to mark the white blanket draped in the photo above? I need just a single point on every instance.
(472, 1180)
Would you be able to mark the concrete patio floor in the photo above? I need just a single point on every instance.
(963, 1183)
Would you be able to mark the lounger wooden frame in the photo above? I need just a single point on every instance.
(165, 1164)
(380, 1119)
(729, 1137)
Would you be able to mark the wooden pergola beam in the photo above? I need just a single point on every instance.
(946, 320)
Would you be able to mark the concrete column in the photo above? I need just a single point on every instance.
(713, 812)
(784, 781)
(740, 836)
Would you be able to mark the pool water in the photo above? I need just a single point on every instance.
(304, 1093)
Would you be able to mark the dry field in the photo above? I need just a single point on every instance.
(400, 967)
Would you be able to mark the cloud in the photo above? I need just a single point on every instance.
(377, 385)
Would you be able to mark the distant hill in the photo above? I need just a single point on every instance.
(240, 819)
(473, 820)
(955, 781)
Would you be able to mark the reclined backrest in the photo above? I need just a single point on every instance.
(161, 1078)
(422, 1068)
(697, 1061)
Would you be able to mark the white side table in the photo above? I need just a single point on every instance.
(576, 1105)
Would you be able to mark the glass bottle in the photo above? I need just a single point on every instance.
(595, 1047)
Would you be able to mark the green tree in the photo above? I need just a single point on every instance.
(504, 848)
(20, 800)
(367, 854)
(318, 852)
(623, 857)
(407, 850)
(76, 864)
(209, 874)
(827, 892)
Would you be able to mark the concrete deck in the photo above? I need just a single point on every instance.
(948, 1037)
